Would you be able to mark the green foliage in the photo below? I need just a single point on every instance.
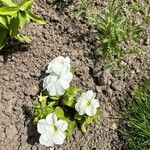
(64, 108)
(118, 32)
(13, 17)
(138, 119)
(69, 97)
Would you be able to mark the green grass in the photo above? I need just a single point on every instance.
(138, 120)
(119, 33)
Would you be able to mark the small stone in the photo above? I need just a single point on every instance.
(8, 95)
(98, 89)
(11, 131)
(32, 90)
(6, 78)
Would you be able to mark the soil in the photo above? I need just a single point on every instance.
(22, 69)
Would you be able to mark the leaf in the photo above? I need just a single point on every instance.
(14, 27)
(8, 2)
(88, 120)
(25, 5)
(23, 38)
(72, 91)
(83, 127)
(59, 112)
(8, 10)
(35, 18)
(54, 98)
(3, 22)
(69, 102)
(3, 37)
(22, 18)
(71, 127)
(78, 117)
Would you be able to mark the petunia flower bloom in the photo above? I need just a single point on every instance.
(52, 130)
(57, 64)
(56, 84)
(87, 104)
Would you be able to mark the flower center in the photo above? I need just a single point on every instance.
(55, 128)
(88, 103)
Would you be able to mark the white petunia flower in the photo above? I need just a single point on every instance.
(52, 130)
(57, 64)
(87, 104)
(56, 84)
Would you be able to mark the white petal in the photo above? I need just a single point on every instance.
(95, 103)
(51, 118)
(49, 79)
(62, 125)
(94, 109)
(90, 94)
(67, 60)
(64, 83)
(59, 89)
(69, 76)
(66, 74)
(43, 126)
(46, 139)
(80, 108)
(88, 111)
(83, 96)
(59, 137)
(51, 89)
(57, 68)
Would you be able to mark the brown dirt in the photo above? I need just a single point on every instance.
(22, 70)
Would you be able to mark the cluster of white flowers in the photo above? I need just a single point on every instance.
(59, 77)
(51, 129)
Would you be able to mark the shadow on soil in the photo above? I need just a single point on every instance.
(11, 48)
(33, 136)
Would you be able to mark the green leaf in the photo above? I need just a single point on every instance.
(71, 127)
(78, 117)
(8, 10)
(88, 120)
(23, 38)
(35, 18)
(8, 2)
(69, 102)
(55, 98)
(14, 27)
(72, 91)
(22, 18)
(59, 112)
(25, 5)
(3, 22)
(51, 104)
(83, 127)
(3, 37)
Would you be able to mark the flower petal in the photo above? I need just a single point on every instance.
(62, 125)
(51, 118)
(43, 126)
(90, 94)
(95, 103)
(51, 89)
(59, 137)
(89, 111)
(59, 89)
(46, 139)
(49, 79)
(80, 108)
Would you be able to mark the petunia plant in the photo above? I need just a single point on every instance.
(59, 109)
(13, 17)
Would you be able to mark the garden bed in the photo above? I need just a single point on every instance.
(22, 69)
